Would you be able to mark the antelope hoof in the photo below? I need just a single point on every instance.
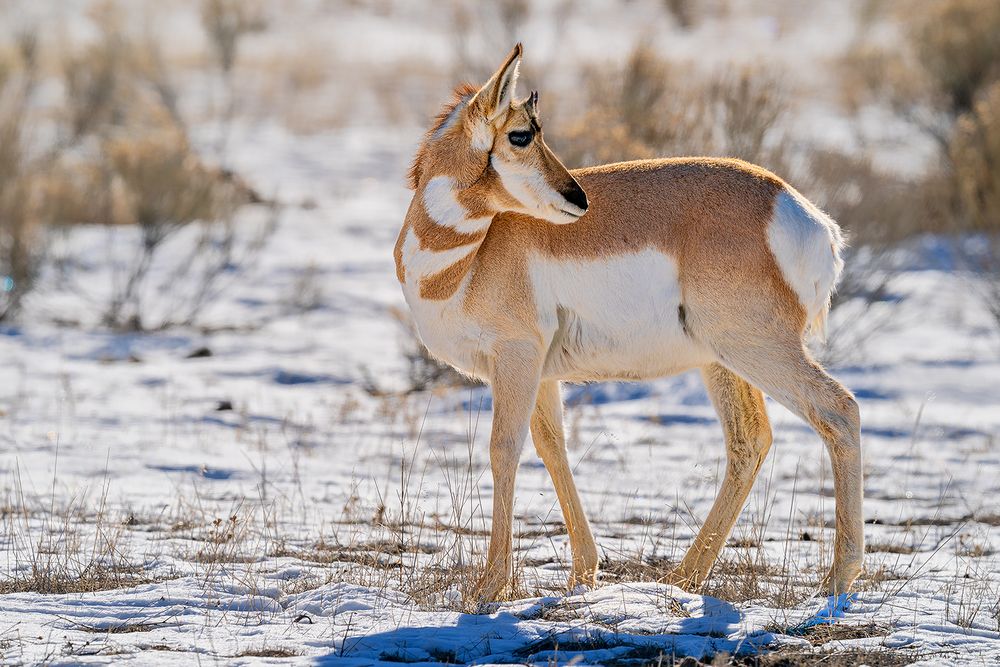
(677, 577)
(490, 587)
(839, 579)
(585, 577)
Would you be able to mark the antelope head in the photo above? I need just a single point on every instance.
(487, 137)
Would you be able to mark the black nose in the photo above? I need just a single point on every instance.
(576, 196)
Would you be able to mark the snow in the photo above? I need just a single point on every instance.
(270, 532)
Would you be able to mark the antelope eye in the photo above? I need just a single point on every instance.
(521, 137)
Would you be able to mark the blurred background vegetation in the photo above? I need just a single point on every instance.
(886, 113)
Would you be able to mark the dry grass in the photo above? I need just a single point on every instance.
(122, 628)
(69, 548)
(436, 560)
(267, 652)
(122, 114)
(873, 657)
(822, 634)
(56, 577)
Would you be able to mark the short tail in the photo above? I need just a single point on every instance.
(808, 247)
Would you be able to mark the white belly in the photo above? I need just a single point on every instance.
(614, 318)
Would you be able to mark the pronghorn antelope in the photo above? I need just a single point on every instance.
(525, 274)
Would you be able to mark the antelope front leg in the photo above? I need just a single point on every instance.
(515, 384)
(547, 434)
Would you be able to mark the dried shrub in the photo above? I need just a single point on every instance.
(877, 210)
(975, 154)
(617, 122)
(957, 47)
(123, 158)
(117, 81)
(288, 83)
(21, 209)
(682, 11)
(651, 108)
(943, 80)
(748, 103)
(94, 79)
(226, 22)
(165, 188)
(16, 225)
(20, 247)
(482, 29)
(948, 55)
(166, 184)
(75, 193)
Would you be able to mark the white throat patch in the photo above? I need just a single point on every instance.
(444, 209)
(529, 187)
(422, 263)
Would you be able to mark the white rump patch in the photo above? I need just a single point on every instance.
(806, 244)
(444, 208)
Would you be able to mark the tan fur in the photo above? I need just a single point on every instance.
(438, 161)
(709, 214)
(477, 303)
(397, 251)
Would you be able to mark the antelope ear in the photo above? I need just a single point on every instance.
(496, 95)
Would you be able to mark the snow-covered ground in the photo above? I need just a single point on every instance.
(262, 487)
(324, 516)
